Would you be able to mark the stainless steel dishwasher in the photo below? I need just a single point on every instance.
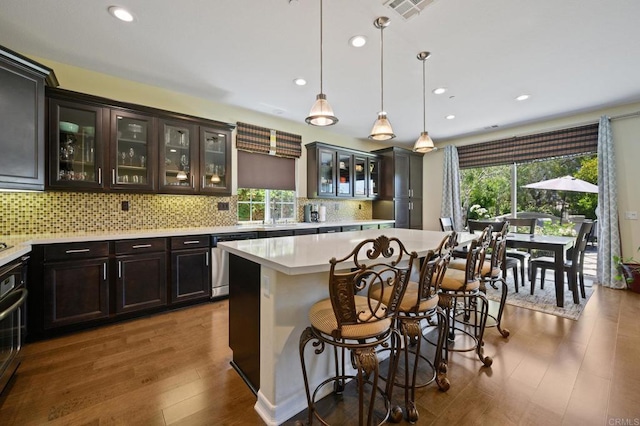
(220, 261)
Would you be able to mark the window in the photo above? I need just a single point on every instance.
(266, 205)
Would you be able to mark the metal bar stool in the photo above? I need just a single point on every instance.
(355, 322)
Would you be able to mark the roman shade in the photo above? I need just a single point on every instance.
(261, 140)
(525, 149)
(260, 171)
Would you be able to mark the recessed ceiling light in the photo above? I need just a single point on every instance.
(358, 41)
(523, 97)
(121, 13)
(450, 117)
(300, 81)
(439, 90)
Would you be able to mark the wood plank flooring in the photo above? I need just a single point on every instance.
(173, 369)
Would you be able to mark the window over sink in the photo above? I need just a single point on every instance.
(266, 205)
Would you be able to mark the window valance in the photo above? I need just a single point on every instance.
(525, 149)
(261, 140)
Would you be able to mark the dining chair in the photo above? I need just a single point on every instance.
(522, 226)
(417, 312)
(352, 320)
(474, 309)
(446, 225)
(574, 267)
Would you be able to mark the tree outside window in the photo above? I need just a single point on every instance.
(266, 205)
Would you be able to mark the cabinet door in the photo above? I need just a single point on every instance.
(178, 157)
(345, 174)
(415, 176)
(22, 124)
(373, 175)
(415, 213)
(76, 146)
(402, 213)
(401, 173)
(75, 292)
(360, 176)
(141, 282)
(190, 275)
(326, 173)
(133, 151)
(215, 161)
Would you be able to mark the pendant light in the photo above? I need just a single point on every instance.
(382, 130)
(321, 113)
(424, 143)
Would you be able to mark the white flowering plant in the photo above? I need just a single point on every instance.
(476, 211)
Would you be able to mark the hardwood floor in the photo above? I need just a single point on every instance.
(174, 369)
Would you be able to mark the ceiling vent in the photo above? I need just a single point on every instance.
(408, 8)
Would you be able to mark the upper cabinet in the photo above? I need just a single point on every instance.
(98, 144)
(22, 120)
(336, 172)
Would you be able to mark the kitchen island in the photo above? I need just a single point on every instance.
(273, 283)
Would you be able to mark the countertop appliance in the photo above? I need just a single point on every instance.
(220, 261)
(13, 325)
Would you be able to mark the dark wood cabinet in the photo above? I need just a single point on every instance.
(401, 188)
(336, 172)
(76, 283)
(22, 119)
(98, 144)
(141, 275)
(190, 268)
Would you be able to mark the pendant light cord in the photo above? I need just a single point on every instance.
(321, 45)
(381, 69)
(424, 99)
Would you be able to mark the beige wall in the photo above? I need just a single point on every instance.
(626, 136)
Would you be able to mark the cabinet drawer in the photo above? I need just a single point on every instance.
(351, 228)
(67, 251)
(329, 229)
(189, 242)
(144, 245)
(370, 226)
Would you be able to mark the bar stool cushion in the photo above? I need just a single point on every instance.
(408, 302)
(487, 271)
(322, 318)
(454, 280)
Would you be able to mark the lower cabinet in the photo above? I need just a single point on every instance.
(141, 275)
(190, 268)
(76, 284)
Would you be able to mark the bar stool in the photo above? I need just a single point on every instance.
(352, 320)
(415, 313)
(465, 285)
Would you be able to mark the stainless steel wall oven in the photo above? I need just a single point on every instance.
(13, 311)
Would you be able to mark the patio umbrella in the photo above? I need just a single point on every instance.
(564, 183)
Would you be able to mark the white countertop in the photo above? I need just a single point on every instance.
(22, 243)
(311, 253)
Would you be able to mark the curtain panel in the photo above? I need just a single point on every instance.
(524, 149)
(451, 203)
(261, 140)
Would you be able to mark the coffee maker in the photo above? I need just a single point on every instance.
(313, 212)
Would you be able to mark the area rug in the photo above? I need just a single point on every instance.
(544, 300)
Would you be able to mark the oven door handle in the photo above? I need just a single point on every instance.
(21, 295)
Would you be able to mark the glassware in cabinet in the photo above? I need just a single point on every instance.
(133, 155)
(178, 160)
(77, 145)
(215, 161)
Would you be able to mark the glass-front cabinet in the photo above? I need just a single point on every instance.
(360, 176)
(373, 187)
(76, 145)
(345, 174)
(132, 151)
(215, 161)
(326, 172)
(178, 157)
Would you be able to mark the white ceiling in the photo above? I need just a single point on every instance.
(569, 55)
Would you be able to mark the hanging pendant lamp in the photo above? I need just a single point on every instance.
(321, 113)
(382, 130)
(424, 143)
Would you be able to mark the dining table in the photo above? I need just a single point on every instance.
(558, 245)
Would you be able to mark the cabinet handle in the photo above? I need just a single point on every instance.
(119, 268)
(100, 175)
(331, 232)
(191, 242)
(104, 271)
(137, 246)
(192, 185)
(77, 251)
(113, 176)
(207, 259)
(203, 181)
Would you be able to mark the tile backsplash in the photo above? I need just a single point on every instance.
(55, 212)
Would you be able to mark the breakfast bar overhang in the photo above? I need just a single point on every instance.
(273, 283)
